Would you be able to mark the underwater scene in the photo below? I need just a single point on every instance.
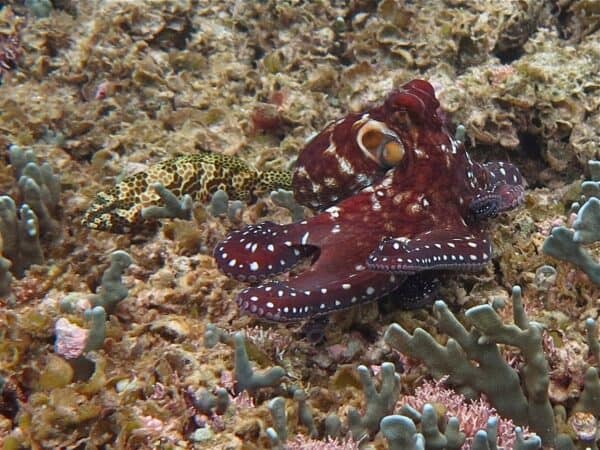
(297, 224)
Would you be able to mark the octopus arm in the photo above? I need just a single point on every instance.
(503, 173)
(258, 251)
(491, 202)
(337, 279)
(418, 290)
(457, 248)
(317, 291)
(504, 192)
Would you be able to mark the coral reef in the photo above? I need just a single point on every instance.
(100, 91)
(10, 41)
(5, 276)
(566, 244)
(401, 433)
(19, 230)
(246, 378)
(529, 405)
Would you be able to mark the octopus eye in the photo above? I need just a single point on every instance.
(392, 153)
(372, 139)
(380, 144)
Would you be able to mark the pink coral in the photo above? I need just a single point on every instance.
(269, 339)
(500, 73)
(304, 443)
(10, 43)
(473, 415)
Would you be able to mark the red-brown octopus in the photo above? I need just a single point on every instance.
(403, 200)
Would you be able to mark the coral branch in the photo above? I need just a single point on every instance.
(490, 373)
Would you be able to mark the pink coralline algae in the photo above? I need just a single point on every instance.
(472, 415)
(10, 49)
(400, 198)
(71, 339)
(303, 443)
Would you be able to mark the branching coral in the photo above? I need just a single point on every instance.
(472, 415)
(209, 403)
(112, 290)
(566, 244)
(490, 374)
(408, 427)
(246, 378)
(39, 187)
(173, 206)
(589, 400)
(220, 205)
(73, 341)
(378, 403)
(401, 433)
(5, 275)
(21, 235)
(21, 227)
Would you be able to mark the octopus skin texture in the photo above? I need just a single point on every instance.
(399, 199)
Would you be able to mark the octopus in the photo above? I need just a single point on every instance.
(398, 199)
(119, 210)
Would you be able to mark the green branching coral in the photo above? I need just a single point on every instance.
(97, 332)
(378, 403)
(591, 327)
(21, 226)
(209, 403)
(285, 199)
(39, 187)
(278, 433)
(112, 290)
(5, 276)
(401, 434)
(589, 400)
(566, 244)
(173, 208)
(221, 205)
(490, 373)
(213, 335)
(20, 235)
(247, 379)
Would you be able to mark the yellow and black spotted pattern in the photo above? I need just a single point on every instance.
(119, 210)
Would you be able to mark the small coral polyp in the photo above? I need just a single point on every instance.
(400, 199)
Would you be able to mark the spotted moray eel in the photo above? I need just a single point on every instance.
(118, 210)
